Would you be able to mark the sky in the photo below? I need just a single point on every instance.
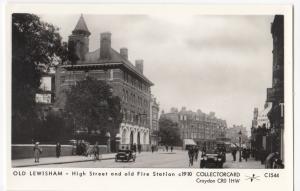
(212, 63)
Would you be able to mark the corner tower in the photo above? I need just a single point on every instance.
(78, 43)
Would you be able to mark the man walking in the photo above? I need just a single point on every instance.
(152, 148)
(233, 152)
(191, 156)
(37, 151)
(196, 152)
(139, 148)
(96, 151)
(58, 149)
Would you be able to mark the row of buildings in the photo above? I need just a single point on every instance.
(201, 127)
(139, 107)
(268, 124)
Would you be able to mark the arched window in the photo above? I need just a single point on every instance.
(145, 138)
(124, 136)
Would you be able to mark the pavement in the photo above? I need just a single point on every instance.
(250, 164)
(29, 162)
(161, 159)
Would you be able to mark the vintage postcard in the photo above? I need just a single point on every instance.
(149, 97)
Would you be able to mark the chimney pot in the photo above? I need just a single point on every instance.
(105, 45)
(139, 64)
(124, 53)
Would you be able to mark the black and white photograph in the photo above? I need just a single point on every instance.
(147, 91)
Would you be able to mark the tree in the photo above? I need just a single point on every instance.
(169, 132)
(34, 43)
(93, 106)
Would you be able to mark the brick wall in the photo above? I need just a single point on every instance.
(26, 150)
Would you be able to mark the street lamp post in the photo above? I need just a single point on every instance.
(107, 135)
(240, 141)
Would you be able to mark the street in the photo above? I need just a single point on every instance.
(175, 159)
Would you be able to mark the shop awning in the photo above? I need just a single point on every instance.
(263, 116)
(189, 142)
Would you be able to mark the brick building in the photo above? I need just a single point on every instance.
(127, 81)
(199, 126)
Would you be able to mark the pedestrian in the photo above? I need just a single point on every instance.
(196, 153)
(139, 148)
(58, 149)
(74, 148)
(203, 152)
(167, 148)
(96, 151)
(263, 155)
(89, 151)
(84, 149)
(152, 148)
(191, 156)
(37, 151)
(171, 148)
(233, 152)
(134, 147)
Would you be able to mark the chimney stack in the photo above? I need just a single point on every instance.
(105, 45)
(139, 65)
(124, 53)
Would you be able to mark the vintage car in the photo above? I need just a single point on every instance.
(125, 155)
(212, 159)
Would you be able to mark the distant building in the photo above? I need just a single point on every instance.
(127, 81)
(199, 126)
(154, 126)
(232, 133)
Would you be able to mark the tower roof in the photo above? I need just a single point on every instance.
(81, 27)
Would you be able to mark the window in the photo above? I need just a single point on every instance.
(111, 74)
(62, 79)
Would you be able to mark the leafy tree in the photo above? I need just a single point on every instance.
(55, 128)
(93, 106)
(169, 132)
(34, 44)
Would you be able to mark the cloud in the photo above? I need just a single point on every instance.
(230, 33)
(212, 63)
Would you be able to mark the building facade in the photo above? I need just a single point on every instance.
(127, 81)
(275, 95)
(201, 127)
(267, 135)
(154, 125)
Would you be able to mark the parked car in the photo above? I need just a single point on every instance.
(125, 155)
(212, 159)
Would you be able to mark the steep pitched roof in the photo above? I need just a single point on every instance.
(116, 57)
(81, 26)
